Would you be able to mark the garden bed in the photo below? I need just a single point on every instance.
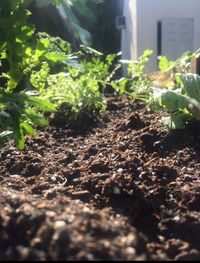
(121, 188)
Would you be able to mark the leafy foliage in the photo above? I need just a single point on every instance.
(40, 74)
(172, 88)
(81, 87)
(181, 94)
(105, 36)
(136, 85)
(32, 78)
(76, 12)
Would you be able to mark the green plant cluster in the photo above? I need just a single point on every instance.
(135, 85)
(173, 88)
(20, 52)
(39, 73)
(180, 95)
(79, 86)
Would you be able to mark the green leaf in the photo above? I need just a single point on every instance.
(173, 101)
(164, 64)
(56, 57)
(179, 120)
(83, 10)
(191, 85)
(11, 97)
(80, 32)
(147, 53)
(90, 50)
(194, 106)
(5, 134)
(26, 32)
(36, 118)
(18, 136)
(41, 104)
(39, 78)
(29, 130)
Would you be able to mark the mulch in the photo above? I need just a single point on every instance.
(121, 187)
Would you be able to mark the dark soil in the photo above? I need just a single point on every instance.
(121, 188)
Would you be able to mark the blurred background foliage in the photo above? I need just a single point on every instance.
(105, 37)
(89, 22)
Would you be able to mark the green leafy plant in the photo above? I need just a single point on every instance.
(21, 52)
(79, 88)
(35, 70)
(181, 94)
(100, 67)
(136, 85)
(19, 112)
(172, 88)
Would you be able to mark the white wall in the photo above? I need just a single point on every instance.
(128, 41)
(142, 17)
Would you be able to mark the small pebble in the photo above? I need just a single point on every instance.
(120, 171)
(53, 179)
(59, 224)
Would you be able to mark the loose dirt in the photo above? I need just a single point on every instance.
(122, 188)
